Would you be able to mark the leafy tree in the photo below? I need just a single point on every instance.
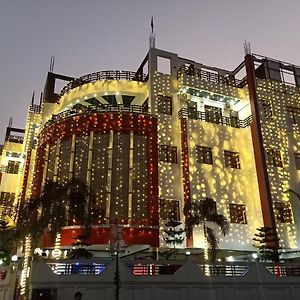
(173, 235)
(204, 213)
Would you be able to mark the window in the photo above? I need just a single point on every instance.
(232, 159)
(169, 209)
(167, 154)
(13, 167)
(237, 213)
(204, 155)
(13, 154)
(213, 114)
(274, 157)
(293, 114)
(297, 160)
(7, 199)
(111, 99)
(266, 110)
(283, 212)
(192, 110)
(164, 104)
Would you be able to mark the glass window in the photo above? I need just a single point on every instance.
(213, 114)
(13, 166)
(232, 159)
(237, 213)
(297, 160)
(169, 209)
(274, 157)
(293, 114)
(266, 109)
(164, 104)
(167, 153)
(204, 155)
(283, 212)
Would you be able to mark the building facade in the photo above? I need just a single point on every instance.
(174, 132)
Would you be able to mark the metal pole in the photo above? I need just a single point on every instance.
(117, 271)
(117, 278)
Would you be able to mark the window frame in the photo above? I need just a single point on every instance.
(204, 155)
(232, 159)
(297, 160)
(13, 166)
(237, 213)
(280, 208)
(164, 104)
(168, 154)
(174, 204)
(293, 114)
(274, 157)
(266, 110)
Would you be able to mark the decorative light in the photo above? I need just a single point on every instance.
(230, 259)
(14, 258)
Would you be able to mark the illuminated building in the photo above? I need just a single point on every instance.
(173, 132)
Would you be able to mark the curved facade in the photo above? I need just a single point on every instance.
(110, 146)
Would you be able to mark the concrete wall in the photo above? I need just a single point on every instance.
(187, 283)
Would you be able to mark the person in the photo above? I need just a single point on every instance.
(77, 296)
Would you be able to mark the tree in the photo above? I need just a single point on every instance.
(173, 235)
(58, 206)
(7, 242)
(264, 240)
(204, 213)
(80, 252)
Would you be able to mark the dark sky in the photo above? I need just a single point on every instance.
(92, 35)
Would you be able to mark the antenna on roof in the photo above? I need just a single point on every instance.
(41, 98)
(10, 122)
(32, 99)
(152, 35)
(247, 47)
(52, 61)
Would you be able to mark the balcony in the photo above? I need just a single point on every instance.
(35, 108)
(103, 75)
(104, 108)
(14, 139)
(210, 117)
(211, 76)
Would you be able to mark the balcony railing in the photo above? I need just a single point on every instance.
(35, 108)
(77, 268)
(212, 117)
(103, 75)
(210, 76)
(139, 109)
(14, 139)
(154, 269)
(224, 270)
(284, 271)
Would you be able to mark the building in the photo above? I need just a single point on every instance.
(173, 132)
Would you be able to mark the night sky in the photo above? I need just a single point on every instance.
(91, 35)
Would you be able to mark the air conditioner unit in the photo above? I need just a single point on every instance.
(184, 97)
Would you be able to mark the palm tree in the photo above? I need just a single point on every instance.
(204, 213)
(7, 242)
(58, 205)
